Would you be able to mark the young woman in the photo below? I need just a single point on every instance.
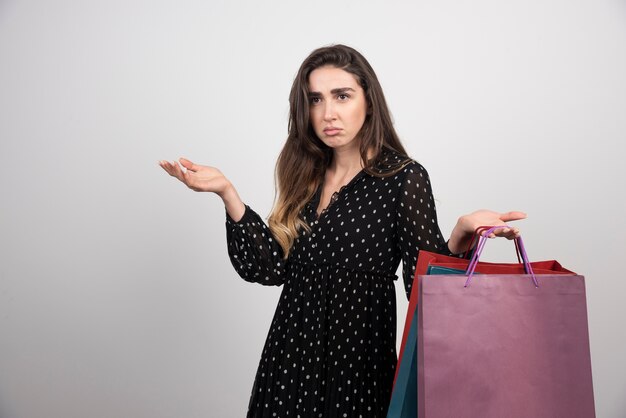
(351, 204)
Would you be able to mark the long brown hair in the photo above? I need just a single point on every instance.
(303, 161)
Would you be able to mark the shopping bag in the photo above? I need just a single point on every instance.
(503, 345)
(403, 401)
(428, 260)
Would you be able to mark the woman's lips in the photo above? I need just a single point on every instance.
(332, 131)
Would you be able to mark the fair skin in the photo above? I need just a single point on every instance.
(338, 108)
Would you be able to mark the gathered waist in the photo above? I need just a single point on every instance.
(377, 272)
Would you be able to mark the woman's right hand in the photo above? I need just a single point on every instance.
(207, 179)
(199, 178)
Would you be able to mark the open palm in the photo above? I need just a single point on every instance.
(197, 177)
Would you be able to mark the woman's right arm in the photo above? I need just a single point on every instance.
(253, 251)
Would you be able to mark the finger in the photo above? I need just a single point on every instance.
(481, 230)
(488, 234)
(508, 233)
(178, 172)
(501, 232)
(176, 167)
(495, 228)
(188, 164)
(165, 165)
(173, 170)
(512, 216)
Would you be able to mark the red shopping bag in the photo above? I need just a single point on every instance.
(502, 344)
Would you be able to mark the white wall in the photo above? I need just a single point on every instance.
(117, 298)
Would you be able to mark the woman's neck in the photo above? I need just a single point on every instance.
(346, 162)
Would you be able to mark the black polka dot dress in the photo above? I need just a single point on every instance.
(331, 347)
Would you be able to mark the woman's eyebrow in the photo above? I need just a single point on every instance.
(341, 90)
(333, 91)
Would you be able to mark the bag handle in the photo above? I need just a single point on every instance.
(477, 233)
(489, 230)
(519, 243)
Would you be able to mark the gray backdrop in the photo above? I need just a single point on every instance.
(117, 297)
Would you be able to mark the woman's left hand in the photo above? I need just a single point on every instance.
(485, 217)
(467, 224)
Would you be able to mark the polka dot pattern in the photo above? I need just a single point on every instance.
(330, 350)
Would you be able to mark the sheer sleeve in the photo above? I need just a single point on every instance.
(416, 222)
(253, 251)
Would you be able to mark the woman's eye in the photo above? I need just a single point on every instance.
(315, 100)
(343, 96)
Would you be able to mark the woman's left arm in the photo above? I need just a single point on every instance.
(417, 226)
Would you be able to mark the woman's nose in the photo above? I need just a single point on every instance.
(329, 111)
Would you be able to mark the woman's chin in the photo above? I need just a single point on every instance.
(338, 143)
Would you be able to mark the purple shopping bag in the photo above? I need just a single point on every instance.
(503, 345)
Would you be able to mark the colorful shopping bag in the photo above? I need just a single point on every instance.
(503, 345)
(429, 260)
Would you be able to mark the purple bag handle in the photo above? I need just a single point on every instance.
(471, 268)
(477, 233)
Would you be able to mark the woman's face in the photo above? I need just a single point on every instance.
(337, 107)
